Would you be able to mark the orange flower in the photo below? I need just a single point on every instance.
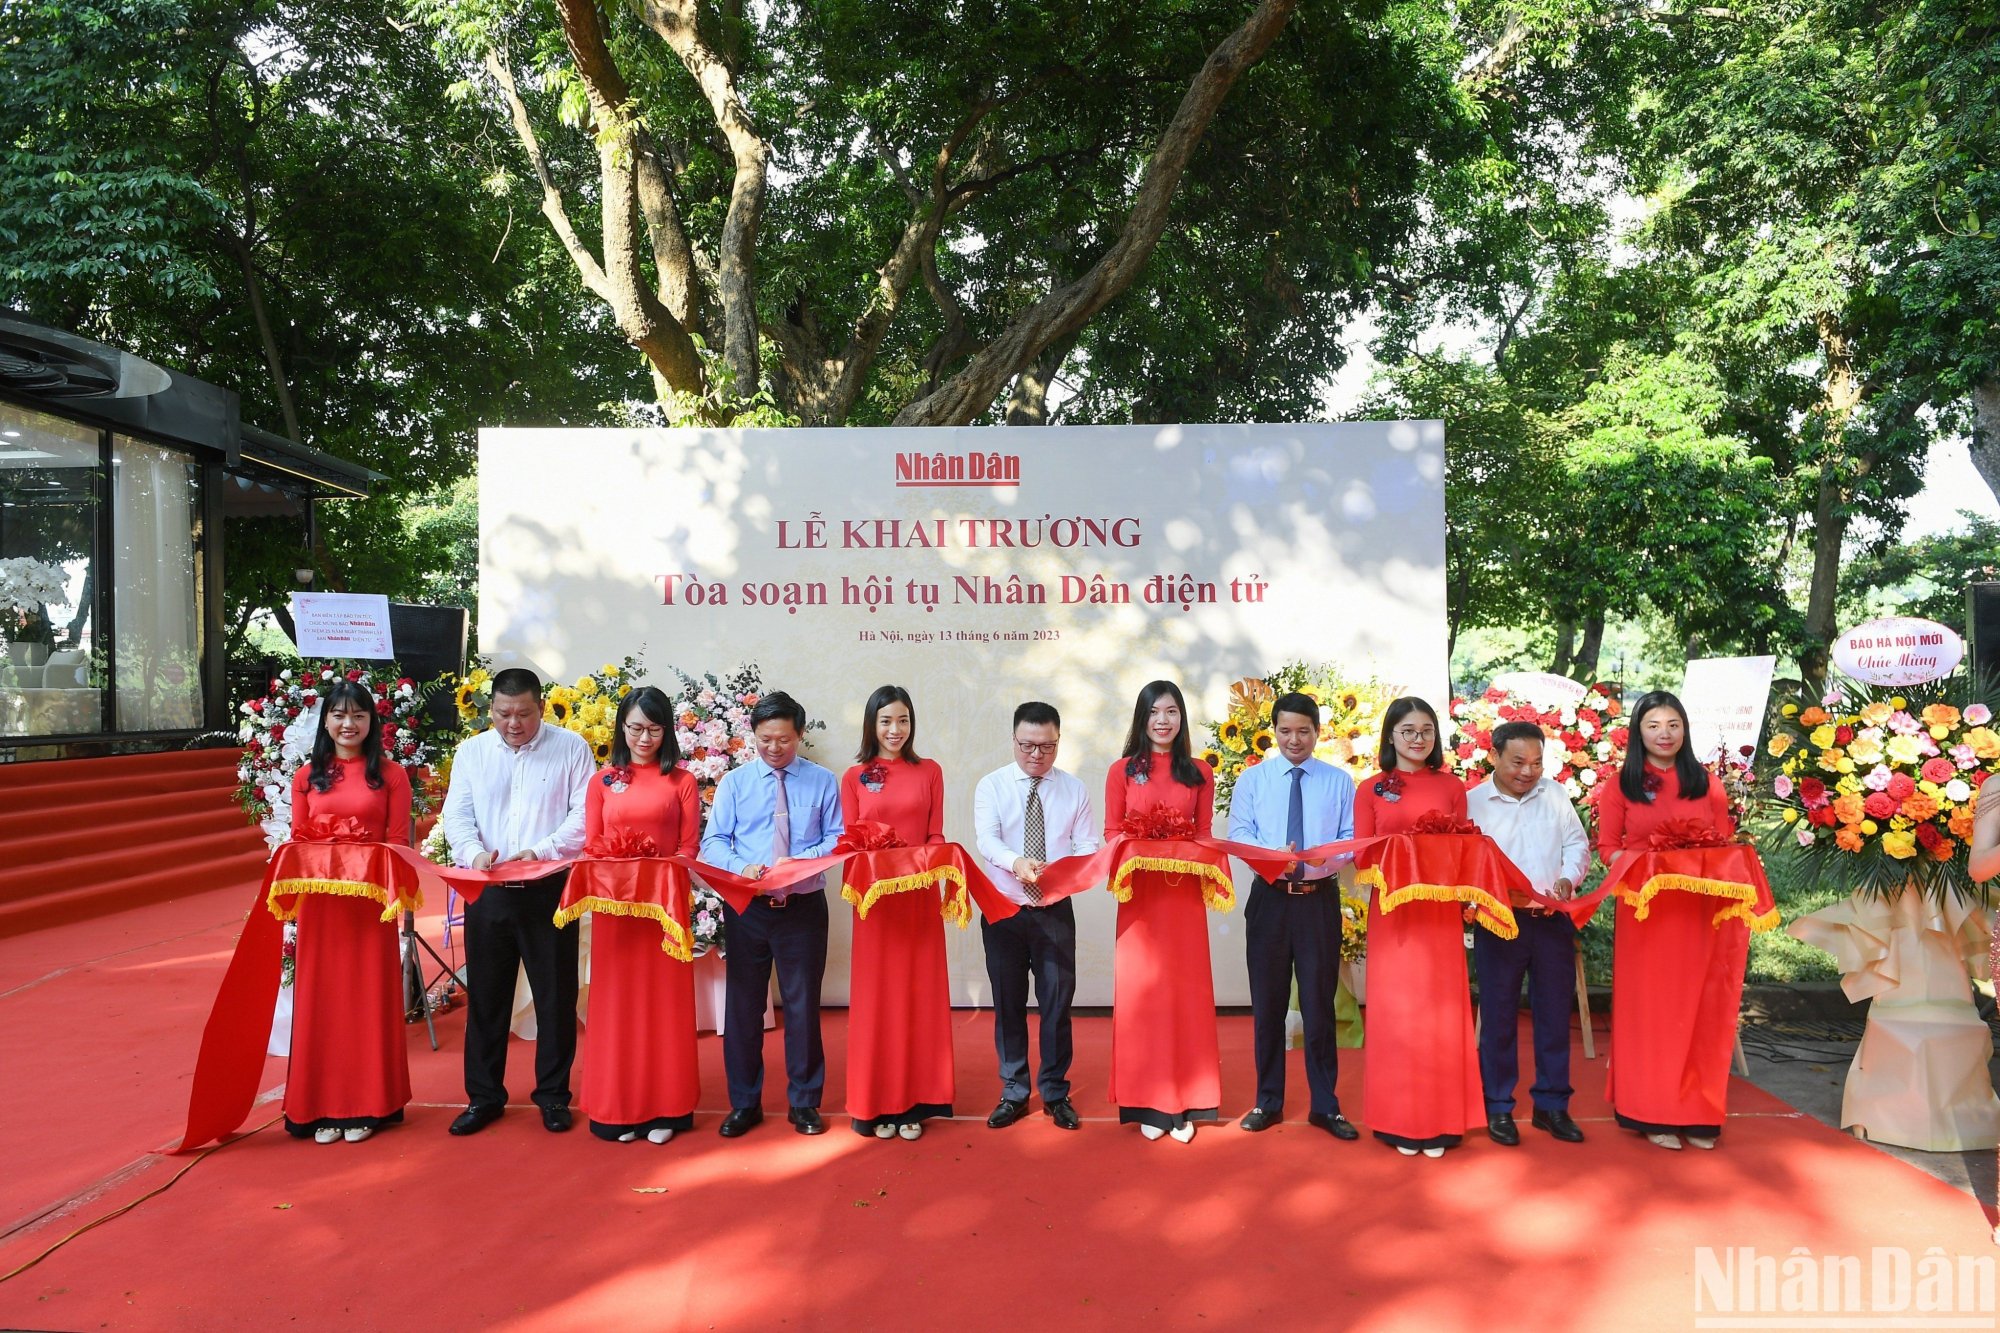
(1848, 839)
(688, 719)
(1960, 823)
(1944, 850)
(1919, 807)
(1847, 809)
(1813, 716)
(1940, 715)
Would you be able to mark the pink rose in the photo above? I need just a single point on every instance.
(1978, 715)
(1938, 770)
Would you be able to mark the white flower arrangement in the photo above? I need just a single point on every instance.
(27, 585)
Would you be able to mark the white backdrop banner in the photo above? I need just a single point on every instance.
(978, 568)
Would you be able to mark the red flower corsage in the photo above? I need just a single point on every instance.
(1159, 822)
(618, 779)
(1652, 783)
(620, 844)
(1441, 821)
(875, 776)
(1684, 834)
(1390, 787)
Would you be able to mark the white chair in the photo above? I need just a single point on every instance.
(67, 670)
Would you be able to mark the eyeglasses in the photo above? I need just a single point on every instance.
(1405, 734)
(644, 733)
(1026, 748)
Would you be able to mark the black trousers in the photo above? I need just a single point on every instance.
(1545, 952)
(510, 926)
(793, 939)
(1286, 933)
(1037, 943)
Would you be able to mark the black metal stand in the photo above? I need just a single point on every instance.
(416, 992)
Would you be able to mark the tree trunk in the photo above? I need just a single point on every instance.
(1585, 665)
(966, 395)
(1840, 393)
(267, 337)
(1986, 431)
(1028, 404)
(1565, 646)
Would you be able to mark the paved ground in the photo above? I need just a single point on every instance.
(1799, 1048)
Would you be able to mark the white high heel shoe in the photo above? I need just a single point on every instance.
(1433, 1152)
(326, 1134)
(1183, 1133)
(1669, 1141)
(659, 1135)
(1705, 1144)
(358, 1133)
(1152, 1131)
(911, 1132)
(885, 1129)
(628, 1136)
(1407, 1152)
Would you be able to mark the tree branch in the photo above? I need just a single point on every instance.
(677, 23)
(1069, 307)
(552, 201)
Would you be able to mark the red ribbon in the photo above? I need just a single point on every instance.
(1729, 863)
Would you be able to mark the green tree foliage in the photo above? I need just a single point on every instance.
(280, 198)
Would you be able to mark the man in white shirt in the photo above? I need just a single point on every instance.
(1026, 815)
(517, 793)
(1532, 821)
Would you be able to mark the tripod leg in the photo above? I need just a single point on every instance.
(413, 975)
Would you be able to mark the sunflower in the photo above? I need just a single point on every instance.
(557, 711)
(1213, 758)
(1263, 741)
(1232, 731)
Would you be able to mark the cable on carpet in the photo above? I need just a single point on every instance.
(127, 1207)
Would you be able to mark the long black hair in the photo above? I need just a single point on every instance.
(651, 702)
(1139, 745)
(1632, 777)
(1385, 758)
(871, 748)
(354, 693)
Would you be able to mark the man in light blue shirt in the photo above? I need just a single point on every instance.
(779, 809)
(1294, 800)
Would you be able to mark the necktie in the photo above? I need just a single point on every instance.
(1034, 836)
(1295, 821)
(781, 822)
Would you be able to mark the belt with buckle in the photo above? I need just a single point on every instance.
(1296, 887)
(775, 900)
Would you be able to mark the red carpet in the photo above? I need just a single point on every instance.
(88, 837)
(967, 1228)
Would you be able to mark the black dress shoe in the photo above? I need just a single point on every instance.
(1559, 1124)
(805, 1119)
(556, 1119)
(1063, 1114)
(1502, 1130)
(741, 1121)
(1257, 1119)
(1006, 1113)
(475, 1118)
(1336, 1124)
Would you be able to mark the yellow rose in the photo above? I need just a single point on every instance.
(1778, 745)
(1902, 846)
(1876, 714)
(1822, 735)
(1905, 751)
(1829, 761)
(584, 685)
(1790, 710)
(1865, 750)
(1985, 742)
(609, 670)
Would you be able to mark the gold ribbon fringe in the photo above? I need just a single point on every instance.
(1492, 914)
(1742, 899)
(674, 940)
(340, 888)
(1218, 891)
